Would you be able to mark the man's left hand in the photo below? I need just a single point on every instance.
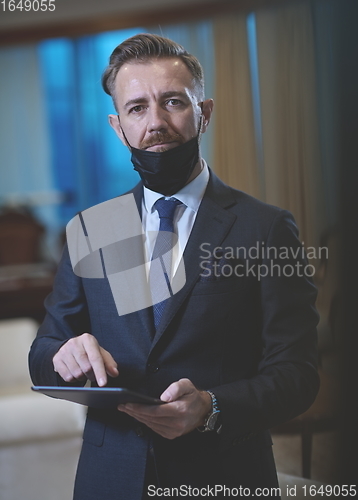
(185, 410)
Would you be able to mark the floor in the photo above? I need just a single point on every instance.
(325, 450)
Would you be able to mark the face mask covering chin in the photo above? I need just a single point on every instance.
(168, 171)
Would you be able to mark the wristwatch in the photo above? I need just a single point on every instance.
(212, 419)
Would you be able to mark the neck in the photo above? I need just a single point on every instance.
(197, 169)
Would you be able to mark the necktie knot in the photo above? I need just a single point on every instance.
(166, 208)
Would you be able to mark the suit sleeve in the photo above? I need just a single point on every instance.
(286, 382)
(66, 317)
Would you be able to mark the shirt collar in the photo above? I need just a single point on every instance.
(190, 195)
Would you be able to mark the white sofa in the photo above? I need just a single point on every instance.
(40, 437)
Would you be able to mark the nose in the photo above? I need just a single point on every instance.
(157, 119)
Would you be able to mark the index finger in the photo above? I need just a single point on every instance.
(95, 358)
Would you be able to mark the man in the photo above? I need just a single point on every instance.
(240, 330)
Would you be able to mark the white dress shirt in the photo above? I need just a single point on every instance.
(184, 217)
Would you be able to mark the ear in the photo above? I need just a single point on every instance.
(207, 109)
(116, 125)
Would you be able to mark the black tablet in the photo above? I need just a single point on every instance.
(97, 397)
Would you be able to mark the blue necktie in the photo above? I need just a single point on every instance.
(163, 247)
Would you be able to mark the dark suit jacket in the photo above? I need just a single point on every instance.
(251, 341)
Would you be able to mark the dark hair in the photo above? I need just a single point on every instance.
(143, 47)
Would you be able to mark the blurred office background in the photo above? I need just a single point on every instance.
(283, 76)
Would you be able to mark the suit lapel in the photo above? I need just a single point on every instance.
(212, 224)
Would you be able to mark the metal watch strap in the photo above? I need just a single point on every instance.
(211, 419)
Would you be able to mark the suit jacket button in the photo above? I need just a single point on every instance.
(153, 368)
(139, 431)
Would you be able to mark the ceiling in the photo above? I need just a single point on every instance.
(72, 18)
(78, 10)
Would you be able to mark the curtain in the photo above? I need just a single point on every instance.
(325, 22)
(25, 173)
(235, 155)
(291, 146)
(23, 139)
(267, 139)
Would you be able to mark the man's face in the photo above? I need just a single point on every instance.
(158, 105)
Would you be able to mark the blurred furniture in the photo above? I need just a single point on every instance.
(23, 289)
(25, 279)
(20, 237)
(322, 416)
(40, 437)
(324, 413)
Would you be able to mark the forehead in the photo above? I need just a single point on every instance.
(153, 77)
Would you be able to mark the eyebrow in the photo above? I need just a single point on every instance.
(165, 95)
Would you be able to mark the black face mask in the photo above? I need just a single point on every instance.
(168, 171)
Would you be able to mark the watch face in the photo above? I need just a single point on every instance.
(212, 421)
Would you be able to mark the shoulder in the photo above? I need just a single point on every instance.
(246, 207)
(126, 201)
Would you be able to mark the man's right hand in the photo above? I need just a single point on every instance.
(82, 358)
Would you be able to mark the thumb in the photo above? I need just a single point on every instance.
(177, 390)
(109, 363)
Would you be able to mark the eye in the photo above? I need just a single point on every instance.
(136, 109)
(174, 102)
